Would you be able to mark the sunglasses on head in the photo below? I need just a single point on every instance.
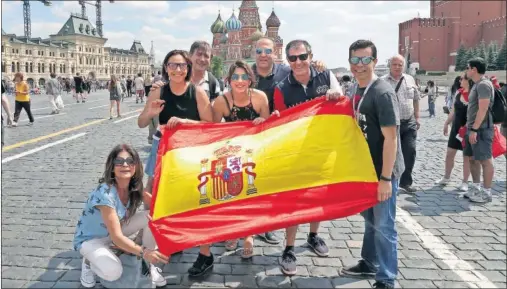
(236, 77)
(121, 161)
(174, 65)
(364, 60)
(267, 51)
(294, 58)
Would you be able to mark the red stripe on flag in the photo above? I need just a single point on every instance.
(261, 214)
(192, 135)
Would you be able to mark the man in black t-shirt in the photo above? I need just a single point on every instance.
(78, 82)
(377, 112)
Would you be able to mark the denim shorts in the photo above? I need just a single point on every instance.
(152, 158)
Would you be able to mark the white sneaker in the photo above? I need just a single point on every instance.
(463, 187)
(87, 276)
(14, 124)
(442, 181)
(156, 276)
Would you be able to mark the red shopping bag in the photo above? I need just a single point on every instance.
(499, 142)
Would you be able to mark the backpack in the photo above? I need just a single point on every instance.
(213, 82)
(499, 107)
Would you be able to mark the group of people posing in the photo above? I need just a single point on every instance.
(190, 94)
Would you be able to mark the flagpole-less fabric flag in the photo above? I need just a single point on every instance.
(220, 181)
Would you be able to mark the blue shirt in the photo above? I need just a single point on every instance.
(91, 225)
(289, 92)
(267, 84)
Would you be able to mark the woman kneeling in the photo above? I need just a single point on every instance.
(110, 217)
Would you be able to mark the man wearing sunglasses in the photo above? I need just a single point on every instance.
(268, 74)
(376, 110)
(303, 83)
(408, 97)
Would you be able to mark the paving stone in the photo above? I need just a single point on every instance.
(240, 282)
(273, 281)
(493, 276)
(494, 255)
(421, 274)
(451, 284)
(416, 284)
(311, 282)
(316, 271)
(211, 280)
(8, 283)
(492, 265)
(459, 275)
(65, 284)
(422, 264)
(345, 282)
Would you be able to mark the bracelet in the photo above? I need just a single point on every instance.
(474, 130)
(384, 178)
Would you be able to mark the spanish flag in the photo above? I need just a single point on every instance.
(220, 181)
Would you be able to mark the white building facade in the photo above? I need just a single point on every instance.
(77, 47)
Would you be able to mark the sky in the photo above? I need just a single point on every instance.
(330, 27)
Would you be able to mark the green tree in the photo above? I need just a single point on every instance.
(481, 51)
(216, 66)
(470, 54)
(461, 58)
(475, 51)
(502, 55)
(492, 53)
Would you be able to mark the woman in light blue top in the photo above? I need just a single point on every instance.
(110, 216)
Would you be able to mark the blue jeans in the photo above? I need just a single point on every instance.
(380, 239)
(432, 108)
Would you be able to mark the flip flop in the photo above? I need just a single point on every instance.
(247, 253)
(231, 245)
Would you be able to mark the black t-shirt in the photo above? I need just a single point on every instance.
(460, 113)
(129, 82)
(78, 81)
(380, 109)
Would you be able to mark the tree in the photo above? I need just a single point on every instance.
(461, 58)
(216, 66)
(470, 54)
(481, 51)
(475, 51)
(492, 53)
(502, 55)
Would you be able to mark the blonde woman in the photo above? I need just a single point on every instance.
(114, 95)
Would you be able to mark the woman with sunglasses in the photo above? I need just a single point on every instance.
(457, 118)
(110, 216)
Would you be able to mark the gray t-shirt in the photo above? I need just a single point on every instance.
(483, 89)
(379, 109)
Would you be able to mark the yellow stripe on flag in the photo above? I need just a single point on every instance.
(308, 152)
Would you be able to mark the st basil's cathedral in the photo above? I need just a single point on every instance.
(235, 38)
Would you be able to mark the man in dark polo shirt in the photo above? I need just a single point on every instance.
(302, 84)
(376, 110)
(268, 74)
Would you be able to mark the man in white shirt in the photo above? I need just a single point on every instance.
(139, 85)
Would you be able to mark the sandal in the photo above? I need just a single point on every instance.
(248, 251)
(231, 245)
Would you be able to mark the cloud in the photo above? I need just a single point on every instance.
(155, 7)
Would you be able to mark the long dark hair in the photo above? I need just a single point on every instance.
(470, 81)
(456, 85)
(136, 182)
(184, 54)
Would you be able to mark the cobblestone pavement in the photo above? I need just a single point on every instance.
(444, 240)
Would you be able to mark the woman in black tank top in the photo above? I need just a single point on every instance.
(178, 101)
(242, 102)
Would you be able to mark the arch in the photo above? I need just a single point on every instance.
(42, 82)
(30, 81)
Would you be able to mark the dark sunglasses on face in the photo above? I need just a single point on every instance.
(268, 51)
(174, 66)
(121, 161)
(236, 77)
(294, 58)
(364, 60)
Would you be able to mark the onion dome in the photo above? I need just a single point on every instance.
(273, 20)
(233, 23)
(224, 39)
(218, 26)
(256, 35)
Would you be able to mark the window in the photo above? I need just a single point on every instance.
(26, 52)
(80, 60)
(13, 67)
(2, 48)
(3, 67)
(73, 70)
(61, 68)
(38, 67)
(17, 51)
(26, 66)
(43, 67)
(31, 67)
(64, 69)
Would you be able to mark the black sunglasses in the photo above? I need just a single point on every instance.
(294, 58)
(121, 161)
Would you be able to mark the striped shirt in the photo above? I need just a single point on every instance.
(407, 93)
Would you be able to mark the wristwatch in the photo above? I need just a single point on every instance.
(382, 178)
(474, 130)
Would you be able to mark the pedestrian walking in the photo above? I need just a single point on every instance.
(22, 100)
(54, 92)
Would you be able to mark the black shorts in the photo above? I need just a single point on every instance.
(79, 89)
(483, 148)
(453, 142)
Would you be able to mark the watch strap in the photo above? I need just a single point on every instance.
(385, 179)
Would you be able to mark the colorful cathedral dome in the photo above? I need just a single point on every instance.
(218, 26)
(256, 35)
(273, 20)
(233, 23)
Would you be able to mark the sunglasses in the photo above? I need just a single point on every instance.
(267, 51)
(174, 66)
(121, 161)
(237, 77)
(364, 60)
(294, 58)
